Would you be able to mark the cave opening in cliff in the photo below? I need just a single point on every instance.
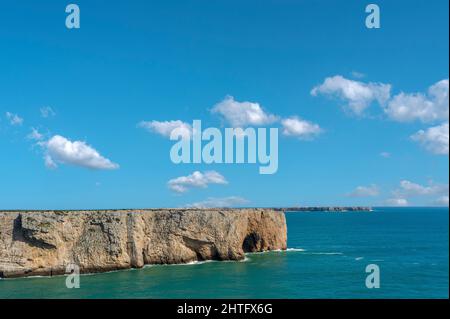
(251, 243)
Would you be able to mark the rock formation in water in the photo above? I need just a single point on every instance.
(45, 242)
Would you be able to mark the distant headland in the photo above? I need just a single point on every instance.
(331, 209)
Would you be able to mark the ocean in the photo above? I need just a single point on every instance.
(327, 258)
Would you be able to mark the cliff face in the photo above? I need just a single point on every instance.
(45, 242)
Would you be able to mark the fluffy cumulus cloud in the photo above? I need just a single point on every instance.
(213, 202)
(165, 128)
(365, 191)
(429, 107)
(434, 139)
(435, 193)
(297, 127)
(408, 188)
(14, 119)
(356, 94)
(47, 111)
(241, 114)
(60, 150)
(195, 180)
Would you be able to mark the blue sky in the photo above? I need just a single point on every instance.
(368, 108)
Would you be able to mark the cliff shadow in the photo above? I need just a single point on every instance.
(26, 236)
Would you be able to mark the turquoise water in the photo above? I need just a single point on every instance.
(328, 256)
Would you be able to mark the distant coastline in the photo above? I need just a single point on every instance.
(331, 209)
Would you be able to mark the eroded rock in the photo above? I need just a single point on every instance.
(45, 242)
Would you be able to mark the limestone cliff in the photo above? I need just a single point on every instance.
(45, 242)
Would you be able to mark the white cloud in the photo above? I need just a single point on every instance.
(410, 189)
(385, 154)
(166, 127)
(60, 150)
(358, 95)
(365, 191)
(14, 119)
(49, 162)
(404, 107)
(429, 107)
(414, 189)
(294, 126)
(442, 201)
(212, 202)
(35, 135)
(195, 180)
(241, 114)
(434, 139)
(397, 202)
(47, 111)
